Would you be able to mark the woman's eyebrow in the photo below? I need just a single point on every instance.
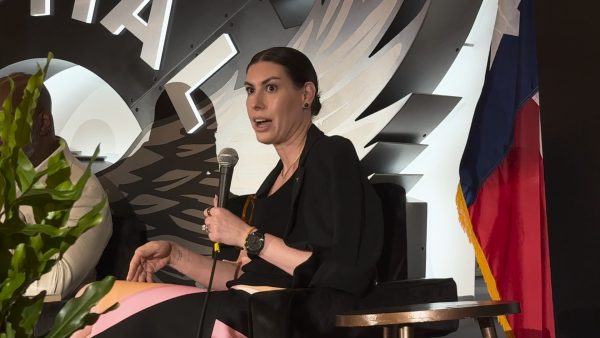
(246, 83)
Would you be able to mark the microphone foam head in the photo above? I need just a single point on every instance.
(227, 157)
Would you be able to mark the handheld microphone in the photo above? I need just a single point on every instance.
(227, 159)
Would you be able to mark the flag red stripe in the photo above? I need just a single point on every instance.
(509, 219)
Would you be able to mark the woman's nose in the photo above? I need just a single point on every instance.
(256, 101)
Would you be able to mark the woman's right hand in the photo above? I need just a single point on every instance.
(148, 259)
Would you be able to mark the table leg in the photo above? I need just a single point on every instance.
(390, 331)
(407, 332)
(488, 329)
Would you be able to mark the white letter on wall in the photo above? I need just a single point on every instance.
(151, 33)
(83, 10)
(40, 8)
(195, 74)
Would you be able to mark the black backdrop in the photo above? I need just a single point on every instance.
(569, 57)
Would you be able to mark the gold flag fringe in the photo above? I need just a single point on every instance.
(488, 277)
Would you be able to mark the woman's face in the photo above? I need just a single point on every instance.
(274, 104)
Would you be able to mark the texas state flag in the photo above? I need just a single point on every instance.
(501, 196)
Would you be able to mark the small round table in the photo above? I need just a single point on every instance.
(397, 321)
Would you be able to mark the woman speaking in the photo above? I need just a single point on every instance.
(316, 223)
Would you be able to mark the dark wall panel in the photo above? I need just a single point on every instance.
(569, 54)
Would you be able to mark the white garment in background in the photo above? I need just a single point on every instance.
(81, 258)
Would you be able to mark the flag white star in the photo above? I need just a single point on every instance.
(507, 22)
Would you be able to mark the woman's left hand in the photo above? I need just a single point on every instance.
(225, 227)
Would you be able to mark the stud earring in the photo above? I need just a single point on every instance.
(305, 105)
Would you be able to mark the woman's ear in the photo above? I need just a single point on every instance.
(310, 91)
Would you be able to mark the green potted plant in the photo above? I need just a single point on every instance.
(29, 250)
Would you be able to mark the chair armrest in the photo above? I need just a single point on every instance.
(414, 291)
(410, 291)
(407, 318)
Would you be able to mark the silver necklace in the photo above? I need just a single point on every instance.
(285, 172)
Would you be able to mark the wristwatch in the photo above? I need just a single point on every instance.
(254, 243)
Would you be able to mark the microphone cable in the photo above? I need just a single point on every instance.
(215, 251)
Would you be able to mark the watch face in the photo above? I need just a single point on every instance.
(255, 242)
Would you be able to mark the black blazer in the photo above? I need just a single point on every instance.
(336, 214)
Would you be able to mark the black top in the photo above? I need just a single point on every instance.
(333, 212)
(270, 215)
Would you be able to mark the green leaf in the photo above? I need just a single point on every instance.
(6, 121)
(88, 170)
(5, 259)
(25, 171)
(89, 220)
(10, 286)
(18, 257)
(55, 163)
(10, 332)
(25, 312)
(26, 108)
(9, 191)
(3, 187)
(46, 229)
(75, 314)
(36, 197)
(59, 171)
(40, 254)
(11, 224)
(7, 104)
